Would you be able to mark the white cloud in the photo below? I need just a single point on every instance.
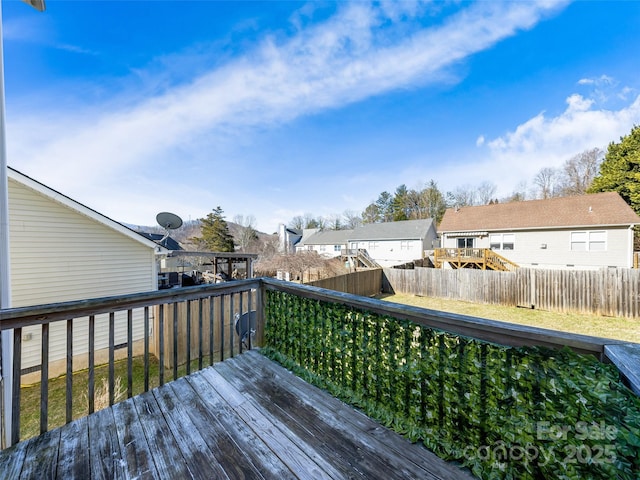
(549, 141)
(600, 81)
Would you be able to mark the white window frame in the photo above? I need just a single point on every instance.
(500, 241)
(406, 244)
(588, 241)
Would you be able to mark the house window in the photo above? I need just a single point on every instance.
(589, 241)
(405, 245)
(508, 241)
(465, 243)
(323, 248)
(495, 241)
(337, 248)
(373, 245)
(502, 241)
(597, 241)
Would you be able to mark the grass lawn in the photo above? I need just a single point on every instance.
(618, 328)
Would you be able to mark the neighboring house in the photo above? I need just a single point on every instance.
(581, 232)
(328, 243)
(288, 238)
(162, 240)
(388, 244)
(61, 250)
(395, 243)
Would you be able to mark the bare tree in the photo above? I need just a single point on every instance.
(247, 236)
(351, 220)
(297, 222)
(579, 171)
(518, 195)
(546, 182)
(485, 192)
(463, 196)
(298, 263)
(333, 222)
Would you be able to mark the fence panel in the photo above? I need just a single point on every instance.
(366, 283)
(607, 292)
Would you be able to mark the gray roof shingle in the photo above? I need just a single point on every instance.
(403, 230)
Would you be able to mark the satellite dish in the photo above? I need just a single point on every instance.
(168, 221)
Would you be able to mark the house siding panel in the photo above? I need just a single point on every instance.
(528, 251)
(58, 254)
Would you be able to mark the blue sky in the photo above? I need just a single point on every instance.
(277, 109)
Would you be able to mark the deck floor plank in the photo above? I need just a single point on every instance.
(222, 415)
(163, 446)
(41, 457)
(73, 456)
(227, 453)
(345, 456)
(245, 418)
(336, 411)
(104, 446)
(342, 440)
(12, 460)
(299, 457)
(133, 442)
(195, 450)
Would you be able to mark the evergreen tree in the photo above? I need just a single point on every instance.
(620, 170)
(215, 233)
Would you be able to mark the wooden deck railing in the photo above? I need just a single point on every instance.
(197, 324)
(483, 258)
(183, 335)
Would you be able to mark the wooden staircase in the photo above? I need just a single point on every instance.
(359, 258)
(478, 258)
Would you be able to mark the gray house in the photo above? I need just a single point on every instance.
(582, 232)
(388, 244)
(395, 243)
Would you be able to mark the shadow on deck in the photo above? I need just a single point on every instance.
(246, 417)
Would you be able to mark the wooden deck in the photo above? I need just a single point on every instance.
(246, 417)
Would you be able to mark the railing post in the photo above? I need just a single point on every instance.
(6, 383)
(260, 316)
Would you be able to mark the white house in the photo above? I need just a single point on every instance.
(388, 244)
(395, 243)
(328, 243)
(582, 232)
(61, 250)
(288, 238)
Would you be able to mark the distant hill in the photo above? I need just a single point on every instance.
(191, 229)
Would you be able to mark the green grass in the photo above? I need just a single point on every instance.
(618, 328)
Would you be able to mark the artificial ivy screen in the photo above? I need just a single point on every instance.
(502, 412)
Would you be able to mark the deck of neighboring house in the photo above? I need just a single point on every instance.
(479, 258)
(246, 417)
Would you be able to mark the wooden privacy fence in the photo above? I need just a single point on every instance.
(610, 292)
(366, 283)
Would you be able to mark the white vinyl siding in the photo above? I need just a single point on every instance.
(58, 254)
